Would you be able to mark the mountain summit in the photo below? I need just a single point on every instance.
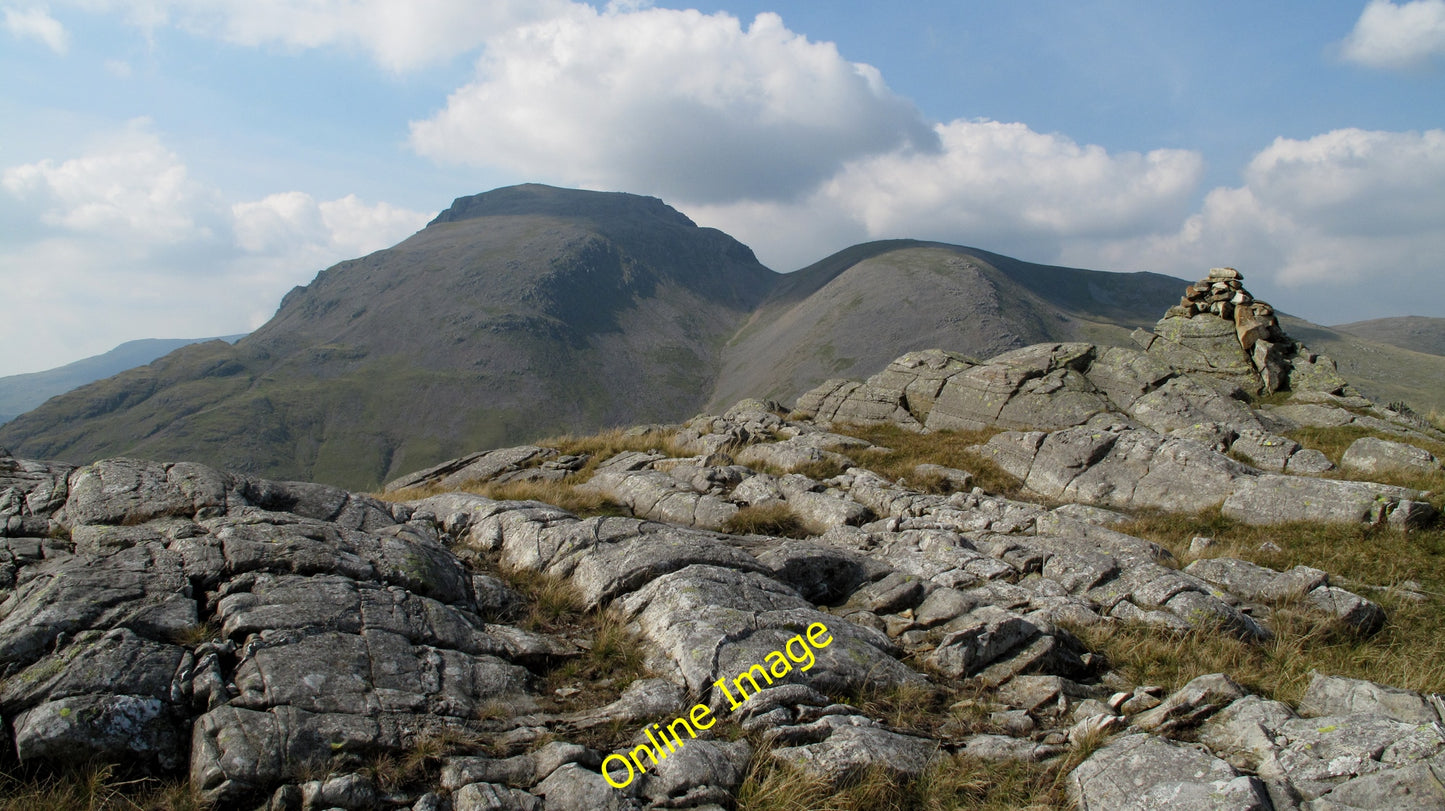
(530, 311)
(514, 313)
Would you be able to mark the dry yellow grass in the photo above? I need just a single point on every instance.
(907, 450)
(769, 519)
(1372, 561)
(97, 787)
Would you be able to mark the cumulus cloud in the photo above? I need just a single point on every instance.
(999, 186)
(293, 222)
(398, 35)
(689, 106)
(129, 186)
(1397, 37)
(121, 242)
(37, 24)
(1330, 223)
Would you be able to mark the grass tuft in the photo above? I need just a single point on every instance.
(94, 787)
(1409, 652)
(766, 519)
(907, 450)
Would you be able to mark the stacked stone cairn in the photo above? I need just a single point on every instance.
(1222, 294)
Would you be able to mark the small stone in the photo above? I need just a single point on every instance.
(1199, 544)
(1138, 703)
(1225, 274)
(1270, 546)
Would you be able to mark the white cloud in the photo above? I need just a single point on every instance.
(129, 187)
(37, 24)
(398, 35)
(1327, 225)
(121, 243)
(998, 186)
(689, 106)
(1397, 37)
(292, 223)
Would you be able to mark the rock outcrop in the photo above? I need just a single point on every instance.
(279, 643)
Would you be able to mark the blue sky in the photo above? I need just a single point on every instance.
(171, 168)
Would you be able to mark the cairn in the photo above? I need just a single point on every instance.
(1222, 294)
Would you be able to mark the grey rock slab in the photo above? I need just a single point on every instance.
(1417, 787)
(1373, 456)
(408, 555)
(1308, 461)
(237, 752)
(573, 788)
(707, 623)
(331, 602)
(1322, 753)
(822, 402)
(610, 557)
(1337, 695)
(820, 511)
(1190, 704)
(1274, 499)
(113, 728)
(1142, 771)
(979, 638)
(790, 454)
(851, 749)
(1092, 515)
(821, 573)
(1352, 610)
(1183, 401)
(1314, 414)
(521, 770)
(131, 491)
(143, 588)
(1265, 451)
(114, 662)
(1245, 732)
(977, 397)
(371, 672)
(659, 496)
(1205, 344)
(1006, 748)
(490, 797)
(643, 699)
(699, 764)
(36, 488)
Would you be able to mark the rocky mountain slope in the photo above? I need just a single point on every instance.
(1413, 332)
(383, 363)
(21, 393)
(764, 609)
(859, 308)
(532, 311)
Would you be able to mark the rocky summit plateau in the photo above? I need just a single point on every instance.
(1199, 571)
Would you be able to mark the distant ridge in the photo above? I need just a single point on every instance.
(531, 311)
(23, 392)
(1414, 332)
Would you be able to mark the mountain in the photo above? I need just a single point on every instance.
(861, 307)
(531, 311)
(1414, 332)
(21, 393)
(516, 313)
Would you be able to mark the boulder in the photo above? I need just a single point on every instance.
(1275, 499)
(853, 749)
(1373, 456)
(1146, 772)
(1337, 695)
